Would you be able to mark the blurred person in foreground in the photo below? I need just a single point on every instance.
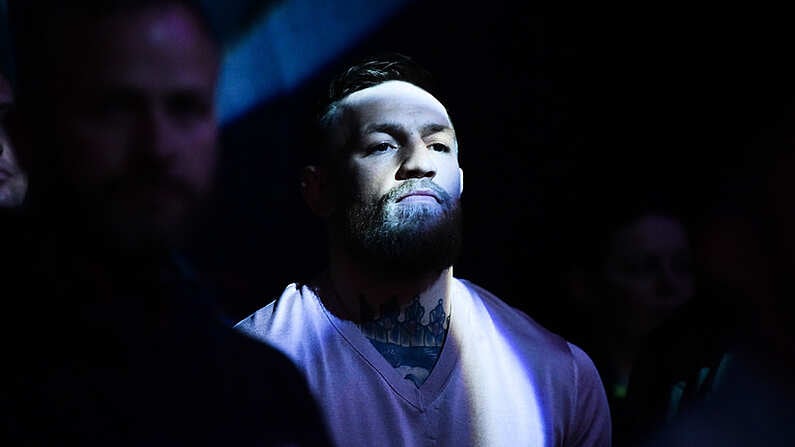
(117, 111)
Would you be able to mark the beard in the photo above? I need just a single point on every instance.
(402, 240)
(133, 217)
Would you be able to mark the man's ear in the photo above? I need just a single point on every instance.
(317, 190)
(460, 181)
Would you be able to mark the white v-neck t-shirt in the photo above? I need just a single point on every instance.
(501, 379)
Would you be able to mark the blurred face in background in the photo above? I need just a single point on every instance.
(648, 272)
(136, 117)
(13, 181)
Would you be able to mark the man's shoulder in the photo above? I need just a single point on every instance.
(569, 375)
(283, 316)
(262, 392)
(507, 313)
(256, 318)
(521, 328)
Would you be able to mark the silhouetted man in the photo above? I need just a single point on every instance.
(117, 103)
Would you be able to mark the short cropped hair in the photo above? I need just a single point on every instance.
(368, 72)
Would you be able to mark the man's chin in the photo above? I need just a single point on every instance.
(427, 242)
(145, 231)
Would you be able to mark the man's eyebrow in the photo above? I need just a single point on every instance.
(433, 128)
(394, 128)
(390, 128)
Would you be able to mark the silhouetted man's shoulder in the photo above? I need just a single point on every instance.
(268, 391)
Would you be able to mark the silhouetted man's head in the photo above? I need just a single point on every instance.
(130, 88)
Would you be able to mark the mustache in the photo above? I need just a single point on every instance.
(155, 182)
(412, 185)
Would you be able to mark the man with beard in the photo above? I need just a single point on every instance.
(117, 105)
(397, 350)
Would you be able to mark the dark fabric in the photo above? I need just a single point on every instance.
(132, 352)
(695, 338)
(754, 406)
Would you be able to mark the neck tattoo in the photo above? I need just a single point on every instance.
(406, 343)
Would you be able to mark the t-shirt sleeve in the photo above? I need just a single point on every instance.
(256, 324)
(591, 419)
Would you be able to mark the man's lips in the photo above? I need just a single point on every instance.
(420, 194)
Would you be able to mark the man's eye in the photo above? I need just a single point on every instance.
(380, 147)
(439, 147)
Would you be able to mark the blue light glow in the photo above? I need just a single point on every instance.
(290, 41)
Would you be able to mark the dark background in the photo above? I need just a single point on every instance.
(548, 103)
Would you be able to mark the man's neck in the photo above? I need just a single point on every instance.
(406, 319)
(359, 295)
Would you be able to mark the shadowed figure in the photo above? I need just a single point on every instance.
(749, 251)
(630, 282)
(117, 111)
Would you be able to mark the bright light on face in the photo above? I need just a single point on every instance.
(398, 179)
(396, 212)
(401, 237)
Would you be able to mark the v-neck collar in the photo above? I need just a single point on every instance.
(439, 375)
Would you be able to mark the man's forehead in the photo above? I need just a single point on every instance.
(396, 96)
(150, 52)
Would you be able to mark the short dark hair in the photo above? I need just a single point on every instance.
(365, 73)
(605, 208)
(375, 70)
(41, 12)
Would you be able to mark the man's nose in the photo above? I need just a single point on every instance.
(156, 134)
(668, 281)
(417, 161)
